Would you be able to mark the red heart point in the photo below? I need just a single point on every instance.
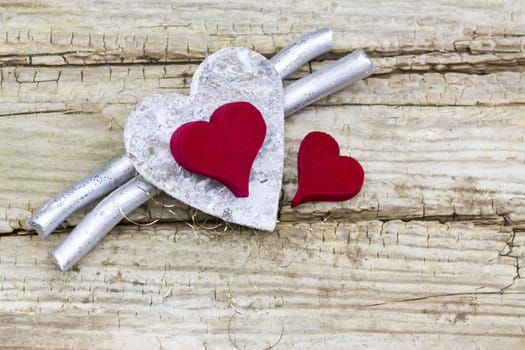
(324, 175)
(223, 148)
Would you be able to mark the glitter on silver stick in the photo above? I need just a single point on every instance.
(115, 173)
(301, 51)
(87, 190)
(136, 192)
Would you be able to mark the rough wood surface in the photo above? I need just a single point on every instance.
(329, 285)
(428, 256)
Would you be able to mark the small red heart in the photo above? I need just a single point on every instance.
(223, 148)
(324, 175)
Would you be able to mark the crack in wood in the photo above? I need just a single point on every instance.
(444, 295)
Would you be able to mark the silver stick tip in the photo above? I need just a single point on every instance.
(40, 229)
(62, 264)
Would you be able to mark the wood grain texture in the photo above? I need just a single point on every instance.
(333, 285)
(428, 256)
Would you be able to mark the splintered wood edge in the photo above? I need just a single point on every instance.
(131, 33)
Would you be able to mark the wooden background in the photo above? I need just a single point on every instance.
(428, 256)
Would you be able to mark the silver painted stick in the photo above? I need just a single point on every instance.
(108, 213)
(307, 47)
(118, 171)
(327, 80)
(87, 190)
(136, 192)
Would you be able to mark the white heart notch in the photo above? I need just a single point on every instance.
(229, 75)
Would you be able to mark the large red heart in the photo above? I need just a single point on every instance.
(223, 148)
(324, 175)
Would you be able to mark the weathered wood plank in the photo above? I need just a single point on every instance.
(406, 152)
(324, 284)
(114, 90)
(151, 31)
(459, 153)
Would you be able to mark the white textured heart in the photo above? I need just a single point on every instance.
(229, 75)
